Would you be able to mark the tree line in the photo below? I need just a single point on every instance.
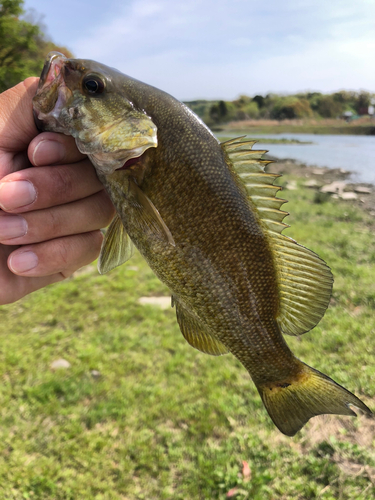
(281, 107)
(23, 45)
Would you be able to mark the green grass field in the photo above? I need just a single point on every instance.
(363, 126)
(162, 420)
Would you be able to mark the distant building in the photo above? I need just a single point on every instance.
(367, 110)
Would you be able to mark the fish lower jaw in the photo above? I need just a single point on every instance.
(50, 117)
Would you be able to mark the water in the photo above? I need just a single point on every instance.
(355, 153)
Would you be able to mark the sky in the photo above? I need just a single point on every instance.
(220, 49)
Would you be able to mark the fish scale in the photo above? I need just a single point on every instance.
(206, 218)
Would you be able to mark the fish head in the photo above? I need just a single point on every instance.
(88, 100)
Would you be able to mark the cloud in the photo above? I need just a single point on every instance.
(221, 48)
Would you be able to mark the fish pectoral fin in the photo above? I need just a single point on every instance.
(148, 216)
(117, 247)
(195, 333)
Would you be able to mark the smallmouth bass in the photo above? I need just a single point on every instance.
(207, 220)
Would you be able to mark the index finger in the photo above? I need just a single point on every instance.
(43, 187)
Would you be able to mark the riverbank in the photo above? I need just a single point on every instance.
(326, 182)
(361, 126)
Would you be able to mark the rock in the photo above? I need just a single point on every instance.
(60, 363)
(292, 185)
(312, 184)
(362, 189)
(95, 374)
(319, 171)
(334, 187)
(349, 195)
(162, 302)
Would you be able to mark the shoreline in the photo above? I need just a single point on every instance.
(327, 182)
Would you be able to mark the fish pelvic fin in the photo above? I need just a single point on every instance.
(291, 403)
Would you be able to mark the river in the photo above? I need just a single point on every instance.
(355, 153)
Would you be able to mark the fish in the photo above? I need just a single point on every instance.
(206, 218)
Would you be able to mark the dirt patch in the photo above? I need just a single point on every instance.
(162, 302)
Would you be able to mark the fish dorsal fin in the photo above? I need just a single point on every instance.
(117, 247)
(249, 166)
(195, 333)
(305, 281)
(305, 285)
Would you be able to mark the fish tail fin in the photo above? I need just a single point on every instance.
(291, 403)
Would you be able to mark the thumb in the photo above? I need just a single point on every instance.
(17, 127)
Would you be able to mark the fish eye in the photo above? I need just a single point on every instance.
(93, 84)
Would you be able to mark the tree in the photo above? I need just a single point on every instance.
(218, 112)
(23, 46)
(291, 107)
(329, 107)
(259, 99)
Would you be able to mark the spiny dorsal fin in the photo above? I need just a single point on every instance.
(249, 166)
(305, 281)
(195, 333)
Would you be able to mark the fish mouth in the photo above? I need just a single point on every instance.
(52, 93)
(52, 68)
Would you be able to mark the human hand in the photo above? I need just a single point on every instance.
(50, 214)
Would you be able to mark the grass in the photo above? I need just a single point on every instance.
(163, 421)
(362, 126)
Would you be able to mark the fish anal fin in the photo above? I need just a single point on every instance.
(117, 247)
(147, 215)
(195, 333)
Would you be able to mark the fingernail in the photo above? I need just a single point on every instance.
(12, 226)
(16, 194)
(23, 261)
(48, 153)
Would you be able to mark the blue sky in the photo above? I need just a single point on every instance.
(222, 48)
